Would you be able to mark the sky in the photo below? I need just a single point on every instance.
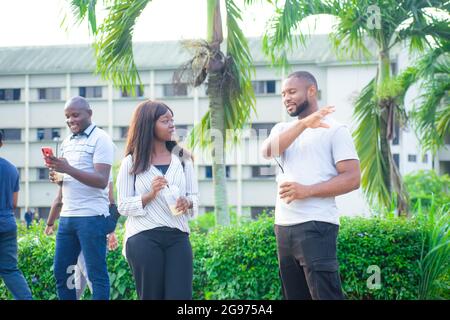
(39, 22)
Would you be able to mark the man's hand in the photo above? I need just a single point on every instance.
(49, 230)
(290, 191)
(57, 164)
(314, 120)
(112, 241)
(183, 204)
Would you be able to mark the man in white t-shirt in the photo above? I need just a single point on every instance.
(318, 161)
(86, 159)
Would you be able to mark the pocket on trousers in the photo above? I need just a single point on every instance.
(323, 228)
(327, 265)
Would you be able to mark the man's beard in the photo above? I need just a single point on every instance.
(300, 108)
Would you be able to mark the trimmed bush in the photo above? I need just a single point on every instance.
(240, 262)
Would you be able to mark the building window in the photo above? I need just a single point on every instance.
(138, 92)
(12, 134)
(257, 211)
(262, 129)
(49, 94)
(48, 133)
(43, 174)
(266, 171)
(447, 139)
(412, 158)
(9, 94)
(264, 87)
(209, 175)
(123, 132)
(90, 92)
(172, 90)
(394, 68)
(396, 157)
(43, 212)
(396, 139)
(209, 209)
(182, 131)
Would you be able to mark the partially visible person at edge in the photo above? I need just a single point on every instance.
(86, 158)
(319, 162)
(156, 242)
(9, 194)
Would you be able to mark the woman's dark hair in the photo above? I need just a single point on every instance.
(1, 135)
(142, 132)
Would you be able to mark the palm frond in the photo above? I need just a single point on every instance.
(282, 26)
(368, 145)
(194, 71)
(114, 49)
(430, 117)
(82, 7)
(200, 135)
(239, 95)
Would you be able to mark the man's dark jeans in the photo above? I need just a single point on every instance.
(89, 235)
(307, 260)
(13, 278)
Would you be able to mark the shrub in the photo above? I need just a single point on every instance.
(240, 261)
(392, 245)
(425, 185)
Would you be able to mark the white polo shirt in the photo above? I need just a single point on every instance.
(82, 152)
(309, 160)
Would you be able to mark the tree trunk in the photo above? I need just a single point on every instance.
(393, 178)
(217, 111)
(218, 154)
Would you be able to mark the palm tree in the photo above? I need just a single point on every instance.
(387, 23)
(228, 75)
(431, 117)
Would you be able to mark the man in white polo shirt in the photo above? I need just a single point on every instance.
(318, 161)
(86, 159)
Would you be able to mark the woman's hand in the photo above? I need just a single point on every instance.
(158, 184)
(183, 204)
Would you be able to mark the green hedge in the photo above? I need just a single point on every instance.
(239, 262)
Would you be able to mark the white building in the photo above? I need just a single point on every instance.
(35, 82)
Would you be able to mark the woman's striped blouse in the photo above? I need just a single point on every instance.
(156, 213)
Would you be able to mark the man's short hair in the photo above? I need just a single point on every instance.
(78, 101)
(305, 75)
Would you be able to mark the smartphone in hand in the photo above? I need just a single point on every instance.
(47, 151)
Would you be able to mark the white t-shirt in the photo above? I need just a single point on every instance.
(82, 152)
(309, 160)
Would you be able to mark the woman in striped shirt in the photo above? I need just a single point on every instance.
(156, 242)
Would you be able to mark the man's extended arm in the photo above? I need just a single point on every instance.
(276, 145)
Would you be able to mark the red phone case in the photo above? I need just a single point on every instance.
(47, 151)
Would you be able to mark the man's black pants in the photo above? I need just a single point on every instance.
(308, 262)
